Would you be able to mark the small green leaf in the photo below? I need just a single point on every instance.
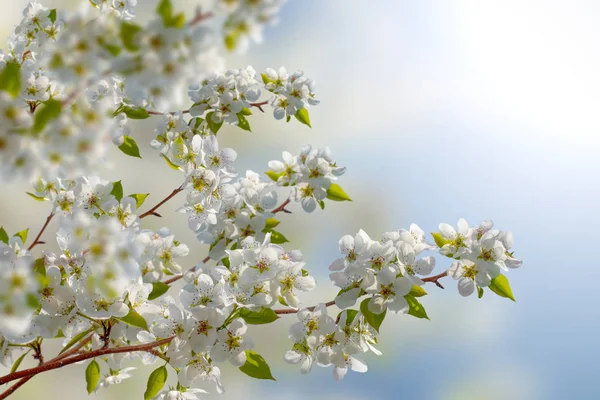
(178, 21)
(75, 340)
(336, 193)
(117, 190)
(305, 273)
(52, 15)
(277, 237)
(139, 198)
(271, 223)
(266, 78)
(479, 292)
(264, 316)
(282, 301)
(231, 41)
(171, 164)
(246, 111)
(501, 287)
(132, 112)
(36, 198)
(225, 262)
(134, 319)
(415, 308)
(128, 32)
(39, 266)
(92, 376)
(158, 289)
(322, 204)
(214, 127)
(417, 291)
(256, 366)
(373, 319)
(130, 147)
(156, 381)
(350, 316)
(302, 116)
(48, 111)
(165, 10)
(18, 362)
(22, 234)
(243, 122)
(3, 235)
(274, 175)
(439, 239)
(10, 79)
(112, 49)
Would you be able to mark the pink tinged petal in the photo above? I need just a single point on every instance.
(466, 287)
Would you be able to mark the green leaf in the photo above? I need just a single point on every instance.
(274, 175)
(322, 204)
(282, 301)
(39, 266)
(117, 190)
(48, 111)
(92, 376)
(302, 116)
(256, 366)
(114, 50)
(271, 223)
(225, 261)
(246, 111)
(264, 316)
(501, 287)
(417, 291)
(336, 193)
(52, 15)
(214, 127)
(130, 147)
(165, 10)
(415, 308)
(22, 234)
(277, 237)
(439, 239)
(266, 78)
(156, 381)
(231, 41)
(479, 292)
(139, 198)
(243, 122)
(350, 316)
(75, 340)
(373, 319)
(37, 198)
(178, 21)
(134, 319)
(170, 163)
(158, 289)
(10, 79)
(305, 272)
(3, 235)
(18, 362)
(132, 112)
(128, 32)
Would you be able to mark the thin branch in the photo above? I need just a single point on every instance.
(200, 17)
(14, 387)
(152, 211)
(37, 241)
(178, 277)
(81, 357)
(75, 349)
(259, 105)
(436, 278)
(281, 208)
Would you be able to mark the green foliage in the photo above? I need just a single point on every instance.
(92, 376)
(117, 190)
(415, 308)
(158, 289)
(479, 292)
(214, 127)
(18, 362)
(10, 79)
(230, 41)
(128, 32)
(277, 237)
(274, 175)
(243, 122)
(75, 340)
(3, 235)
(156, 381)
(39, 266)
(417, 291)
(350, 316)
(336, 193)
(271, 223)
(22, 234)
(302, 116)
(264, 316)
(256, 366)
(134, 319)
(132, 112)
(170, 163)
(266, 78)
(45, 113)
(130, 147)
(439, 239)
(501, 287)
(52, 15)
(36, 198)
(373, 319)
(139, 198)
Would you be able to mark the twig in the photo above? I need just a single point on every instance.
(169, 197)
(178, 277)
(81, 357)
(37, 241)
(200, 17)
(259, 105)
(281, 208)
(435, 279)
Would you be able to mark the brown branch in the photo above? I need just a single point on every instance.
(281, 208)
(200, 17)
(436, 278)
(178, 277)
(14, 387)
(152, 211)
(81, 357)
(37, 241)
(75, 349)
(259, 105)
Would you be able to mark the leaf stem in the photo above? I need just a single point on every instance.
(37, 241)
(152, 211)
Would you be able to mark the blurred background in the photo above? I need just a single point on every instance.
(480, 109)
